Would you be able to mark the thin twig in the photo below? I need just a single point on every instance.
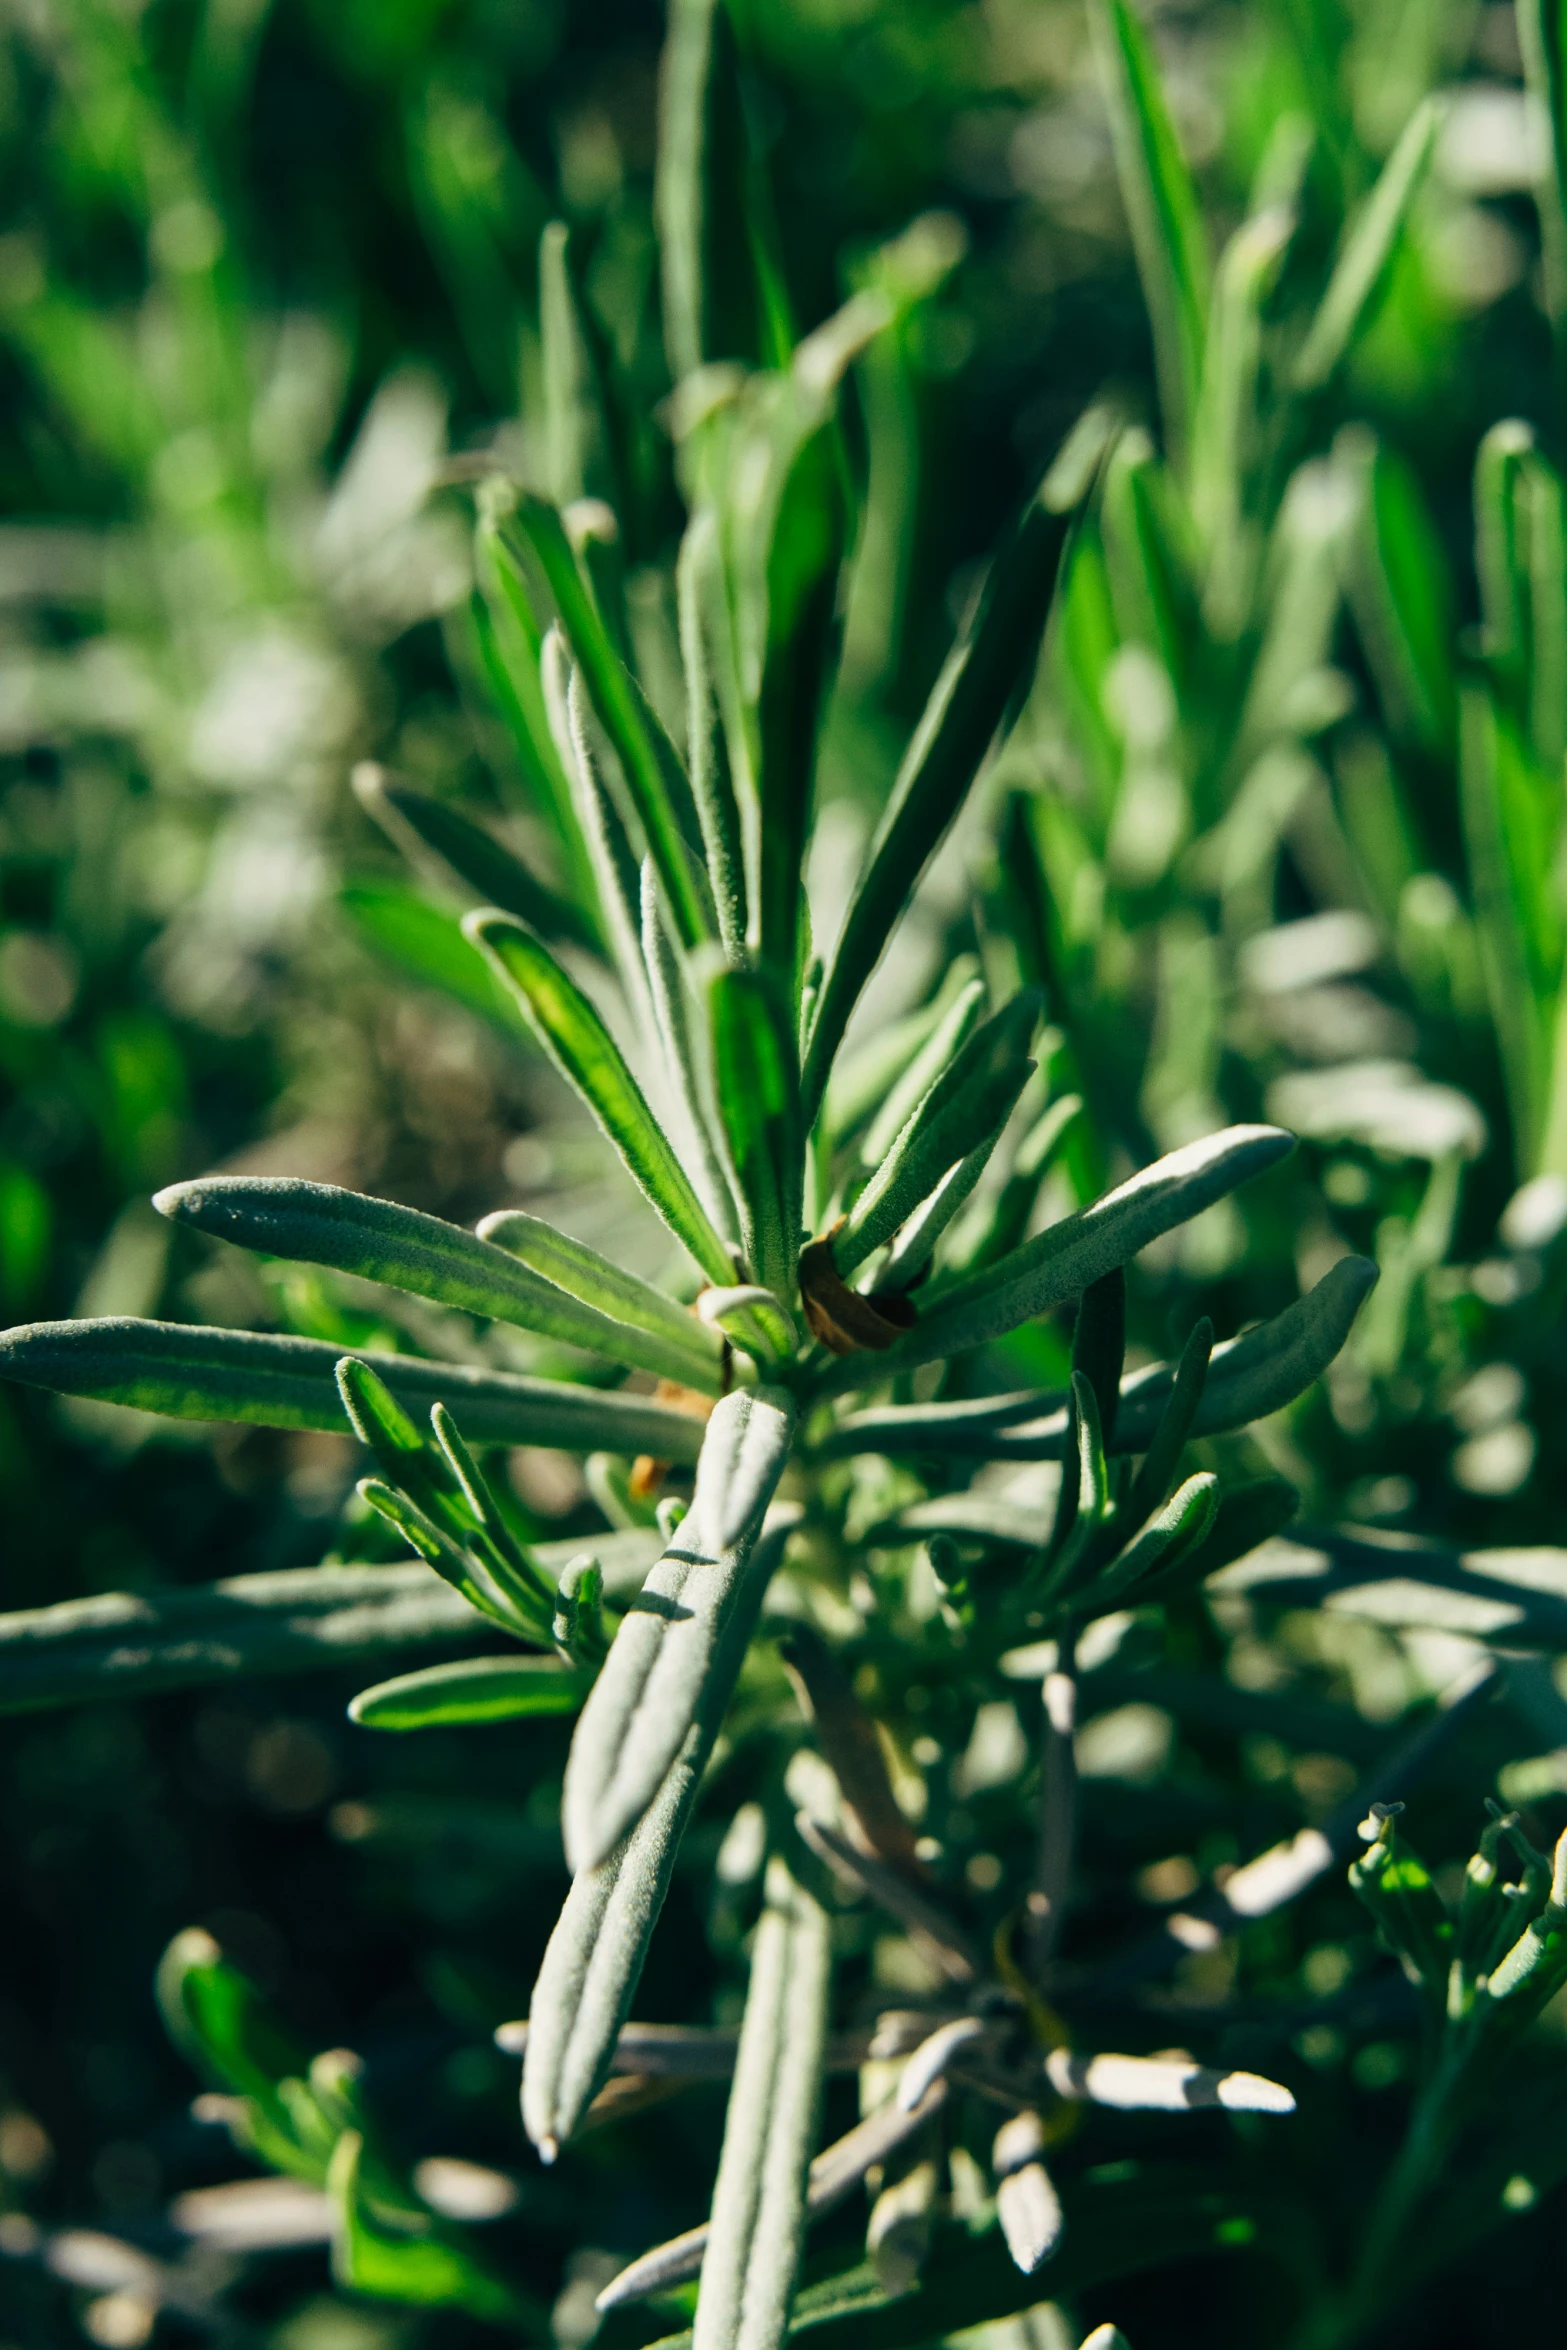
(835, 2172)
(945, 1941)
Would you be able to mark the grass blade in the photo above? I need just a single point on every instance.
(478, 1689)
(1163, 212)
(187, 1372)
(377, 1240)
(663, 1669)
(758, 2221)
(981, 676)
(1368, 251)
(587, 1056)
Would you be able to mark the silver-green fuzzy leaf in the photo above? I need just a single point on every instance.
(665, 1661)
(749, 2267)
(189, 1372)
(1063, 1261)
(378, 1240)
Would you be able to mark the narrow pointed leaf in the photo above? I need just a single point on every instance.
(982, 675)
(1368, 251)
(588, 1057)
(479, 1689)
(758, 2220)
(648, 760)
(417, 2262)
(594, 1958)
(1081, 1249)
(377, 1240)
(577, 459)
(930, 1063)
(190, 1373)
(664, 1666)
(698, 582)
(476, 858)
(1162, 208)
(121, 1645)
(426, 944)
(608, 1289)
(973, 1096)
(723, 289)
(1163, 2083)
(1157, 1471)
(755, 1079)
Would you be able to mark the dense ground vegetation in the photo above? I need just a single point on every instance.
(991, 583)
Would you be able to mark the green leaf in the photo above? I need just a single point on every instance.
(478, 1689)
(1163, 212)
(402, 2255)
(1400, 595)
(1545, 73)
(1368, 251)
(1099, 1346)
(1512, 819)
(593, 1962)
(973, 1096)
(982, 675)
(601, 821)
(933, 1059)
(1062, 1261)
(758, 2221)
(668, 1660)
(125, 1644)
(377, 1240)
(1168, 1441)
(188, 1372)
(1159, 1408)
(700, 589)
(587, 1056)
(427, 945)
(121, 1645)
(576, 454)
(648, 760)
(467, 851)
(723, 289)
(608, 1289)
(1184, 1521)
(669, 996)
(1225, 428)
(864, 1078)
(511, 643)
(221, 2022)
(755, 1080)
(1249, 1377)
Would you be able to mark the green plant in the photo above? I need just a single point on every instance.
(813, 1185)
